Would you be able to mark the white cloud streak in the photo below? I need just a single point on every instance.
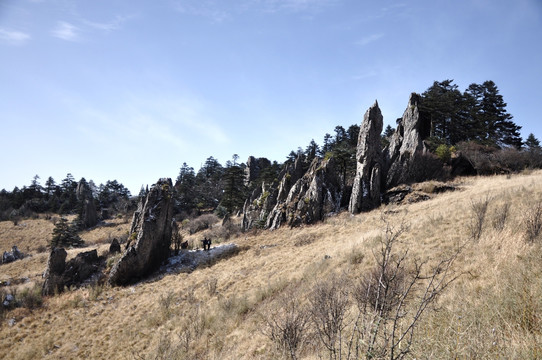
(109, 26)
(204, 8)
(66, 31)
(369, 39)
(13, 37)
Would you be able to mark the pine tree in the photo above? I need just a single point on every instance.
(311, 151)
(532, 143)
(65, 235)
(234, 188)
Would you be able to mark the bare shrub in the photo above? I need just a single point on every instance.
(533, 222)
(226, 231)
(500, 216)
(211, 286)
(329, 306)
(192, 328)
(202, 222)
(478, 211)
(304, 239)
(427, 167)
(392, 299)
(30, 298)
(288, 328)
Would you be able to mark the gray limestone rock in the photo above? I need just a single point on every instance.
(150, 236)
(312, 197)
(366, 188)
(89, 216)
(254, 168)
(53, 274)
(405, 154)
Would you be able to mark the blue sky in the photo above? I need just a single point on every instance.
(129, 90)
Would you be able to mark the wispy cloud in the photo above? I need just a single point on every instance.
(369, 39)
(13, 37)
(109, 26)
(66, 31)
(204, 8)
(275, 6)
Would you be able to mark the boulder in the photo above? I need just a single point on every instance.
(114, 247)
(405, 155)
(10, 256)
(150, 236)
(80, 268)
(53, 274)
(366, 188)
(60, 274)
(89, 216)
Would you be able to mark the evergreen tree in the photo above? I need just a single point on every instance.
(340, 134)
(185, 187)
(389, 131)
(65, 235)
(352, 135)
(532, 143)
(234, 188)
(328, 144)
(311, 151)
(209, 184)
(50, 186)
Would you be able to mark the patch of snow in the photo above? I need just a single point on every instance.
(188, 260)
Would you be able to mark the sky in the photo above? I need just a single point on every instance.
(129, 90)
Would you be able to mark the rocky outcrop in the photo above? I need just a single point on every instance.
(366, 188)
(53, 274)
(405, 154)
(254, 168)
(150, 236)
(13, 255)
(89, 216)
(263, 200)
(61, 274)
(258, 206)
(114, 247)
(312, 197)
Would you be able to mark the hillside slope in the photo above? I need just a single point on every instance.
(222, 311)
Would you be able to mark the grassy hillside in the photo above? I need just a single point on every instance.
(230, 309)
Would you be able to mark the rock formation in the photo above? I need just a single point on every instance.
(254, 168)
(89, 216)
(53, 274)
(366, 188)
(10, 256)
(150, 236)
(258, 206)
(405, 153)
(314, 195)
(114, 247)
(60, 274)
(264, 199)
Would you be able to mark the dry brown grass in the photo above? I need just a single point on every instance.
(218, 312)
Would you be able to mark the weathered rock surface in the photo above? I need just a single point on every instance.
(10, 256)
(258, 206)
(366, 188)
(312, 197)
(114, 247)
(89, 216)
(150, 236)
(405, 153)
(53, 274)
(60, 274)
(80, 268)
(254, 168)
